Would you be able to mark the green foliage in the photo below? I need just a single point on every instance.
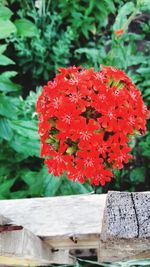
(145, 146)
(88, 17)
(88, 263)
(121, 18)
(4, 61)
(5, 13)
(137, 175)
(41, 45)
(6, 26)
(25, 28)
(34, 42)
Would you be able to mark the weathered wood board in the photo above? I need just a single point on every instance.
(64, 222)
(18, 246)
(77, 222)
(4, 220)
(126, 226)
(22, 247)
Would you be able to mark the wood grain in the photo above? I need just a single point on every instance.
(18, 246)
(68, 221)
(126, 226)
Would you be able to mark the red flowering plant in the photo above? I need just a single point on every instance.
(86, 120)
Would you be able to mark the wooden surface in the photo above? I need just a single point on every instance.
(23, 247)
(18, 246)
(69, 221)
(126, 226)
(77, 222)
(4, 220)
(127, 215)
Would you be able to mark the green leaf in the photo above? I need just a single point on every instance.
(35, 182)
(110, 5)
(143, 70)
(145, 146)
(138, 262)
(137, 175)
(78, 188)
(3, 48)
(3, 171)
(5, 13)
(66, 188)
(8, 74)
(52, 185)
(88, 263)
(4, 61)
(25, 28)
(146, 84)
(93, 55)
(26, 146)
(146, 92)
(5, 129)
(19, 194)
(69, 187)
(6, 85)
(26, 128)
(90, 7)
(5, 188)
(55, 186)
(144, 5)
(125, 10)
(7, 107)
(6, 28)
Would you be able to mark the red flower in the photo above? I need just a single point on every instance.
(119, 155)
(119, 32)
(85, 120)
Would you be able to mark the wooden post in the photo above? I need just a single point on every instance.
(126, 227)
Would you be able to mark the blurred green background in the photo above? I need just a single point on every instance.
(37, 37)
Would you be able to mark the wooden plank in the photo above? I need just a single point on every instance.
(60, 220)
(79, 241)
(4, 220)
(126, 227)
(21, 247)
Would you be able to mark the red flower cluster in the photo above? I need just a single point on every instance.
(86, 119)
